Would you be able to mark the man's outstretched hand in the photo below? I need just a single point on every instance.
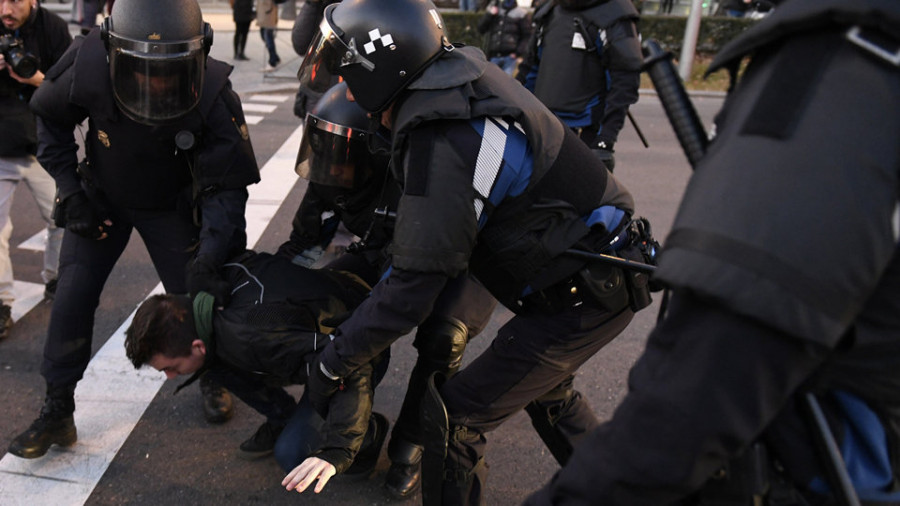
(302, 476)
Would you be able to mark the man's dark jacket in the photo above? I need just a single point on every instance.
(45, 36)
(274, 327)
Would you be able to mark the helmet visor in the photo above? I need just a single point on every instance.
(327, 54)
(333, 155)
(155, 83)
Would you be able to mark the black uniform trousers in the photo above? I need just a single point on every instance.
(463, 300)
(85, 265)
(530, 356)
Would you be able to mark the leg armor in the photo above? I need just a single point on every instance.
(434, 432)
(440, 342)
(453, 470)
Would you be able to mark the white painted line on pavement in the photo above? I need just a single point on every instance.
(37, 242)
(278, 177)
(269, 98)
(252, 119)
(27, 295)
(113, 396)
(266, 108)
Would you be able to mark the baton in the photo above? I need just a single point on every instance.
(835, 467)
(685, 121)
(609, 259)
(637, 129)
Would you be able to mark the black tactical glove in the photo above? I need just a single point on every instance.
(321, 388)
(203, 276)
(81, 217)
(604, 151)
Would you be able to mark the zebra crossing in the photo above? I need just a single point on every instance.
(257, 106)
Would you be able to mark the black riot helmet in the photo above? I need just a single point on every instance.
(335, 147)
(378, 47)
(157, 57)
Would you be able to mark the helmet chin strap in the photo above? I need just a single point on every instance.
(375, 127)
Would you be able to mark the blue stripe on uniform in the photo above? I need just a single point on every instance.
(504, 164)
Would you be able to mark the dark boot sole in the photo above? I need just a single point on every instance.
(399, 494)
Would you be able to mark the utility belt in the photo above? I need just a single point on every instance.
(601, 284)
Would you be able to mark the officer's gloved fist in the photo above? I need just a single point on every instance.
(82, 217)
(203, 276)
(321, 387)
(604, 151)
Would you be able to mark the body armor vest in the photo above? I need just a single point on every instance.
(562, 64)
(516, 245)
(136, 166)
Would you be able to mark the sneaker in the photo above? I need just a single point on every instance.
(261, 443)
(367, 457)
(270, 68)
(217, 404)
(6, 320)
(50, 289)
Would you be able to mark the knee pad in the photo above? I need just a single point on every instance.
(442, 341)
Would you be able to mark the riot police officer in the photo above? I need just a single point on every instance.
(786, 294)
(167, 154)
(584, 64)
(479, 157)
(356, 187)
(305, 27)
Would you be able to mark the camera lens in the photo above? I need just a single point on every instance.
(22, 63)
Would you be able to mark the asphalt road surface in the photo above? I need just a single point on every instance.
(139, 444)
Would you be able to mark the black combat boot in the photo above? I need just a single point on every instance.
(217, 404)
(405, 475)
(55, 425)
(240, 42)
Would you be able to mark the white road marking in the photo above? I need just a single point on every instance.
(266, 108)
(37, 242)
(27, 296)
(270, 98)
(106, 416)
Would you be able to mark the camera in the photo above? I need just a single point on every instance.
(13, 50)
